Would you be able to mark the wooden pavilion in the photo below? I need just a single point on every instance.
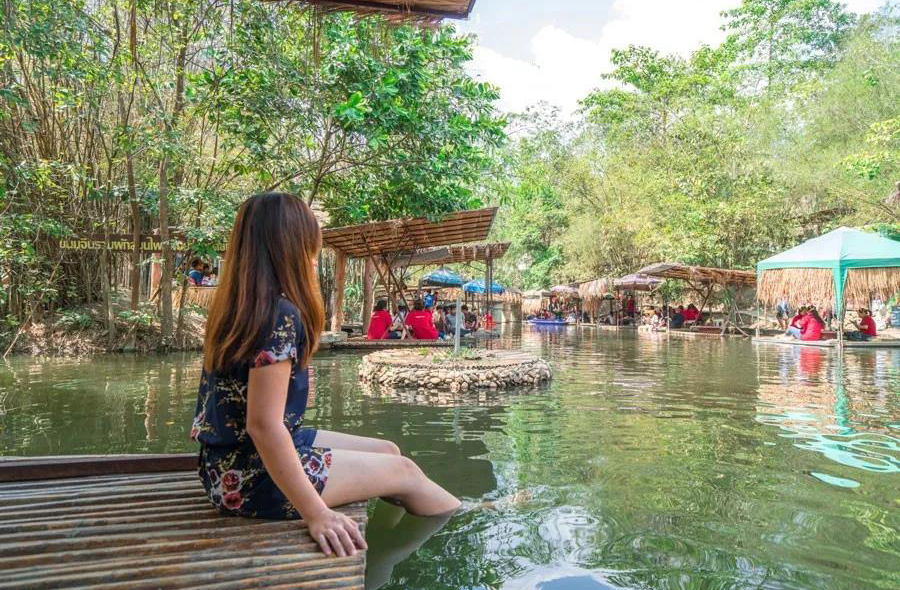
(391, 246)
(703, 280)
(421, 11)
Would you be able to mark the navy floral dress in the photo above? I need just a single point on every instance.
(230, 466)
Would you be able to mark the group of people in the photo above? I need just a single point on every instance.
(424, 322)
(808, 325)
(673, 316)
(202, 275)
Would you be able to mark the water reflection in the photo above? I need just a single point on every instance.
(647, 462)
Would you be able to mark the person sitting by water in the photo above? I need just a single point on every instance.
(795, 321)
(865, 328)
(398, 329)
(419, 322)
(439, 317)
(379, 325)
(256, 458)
(677, 319)
(451, 319)
(195, 276)
(810, 327)
(691, 314)
(471, 320)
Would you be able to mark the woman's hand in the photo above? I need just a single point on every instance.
(336, 533)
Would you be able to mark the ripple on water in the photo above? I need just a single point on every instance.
(646, 463)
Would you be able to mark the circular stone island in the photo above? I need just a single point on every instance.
(434, 368)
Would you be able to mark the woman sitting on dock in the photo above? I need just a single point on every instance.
(810, 327)
(256, 459)
(801, 313)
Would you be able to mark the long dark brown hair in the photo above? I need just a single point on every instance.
(816, 317)
(270, 255)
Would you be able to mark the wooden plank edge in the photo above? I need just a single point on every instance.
(62, 467)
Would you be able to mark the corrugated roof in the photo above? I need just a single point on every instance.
(401, 235)
(700, 274)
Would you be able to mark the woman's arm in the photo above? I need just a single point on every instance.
(266, 398)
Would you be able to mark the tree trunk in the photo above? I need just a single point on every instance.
(337, 294)
(129, 170)
(368, 298)
(171, 126)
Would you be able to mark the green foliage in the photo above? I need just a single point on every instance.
(686, 160)
(73, 319)
(366, 119)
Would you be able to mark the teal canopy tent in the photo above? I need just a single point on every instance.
(840, 266)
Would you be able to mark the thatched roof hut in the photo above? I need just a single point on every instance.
(844, 265)
(593, 294)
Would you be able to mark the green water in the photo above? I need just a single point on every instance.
(647, 463)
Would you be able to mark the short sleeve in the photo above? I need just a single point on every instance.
(283, 342)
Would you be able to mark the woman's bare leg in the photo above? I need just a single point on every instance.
(351, 442)
(355, 476)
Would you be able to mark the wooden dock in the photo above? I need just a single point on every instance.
(830, 343)
(142, 522)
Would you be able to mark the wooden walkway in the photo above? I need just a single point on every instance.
(151, 530)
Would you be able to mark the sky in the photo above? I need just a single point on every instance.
(556, 51)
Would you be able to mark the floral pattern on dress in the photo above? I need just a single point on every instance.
(230, 467)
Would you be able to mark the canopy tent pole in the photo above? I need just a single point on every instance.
(337, 293)
(457, 323)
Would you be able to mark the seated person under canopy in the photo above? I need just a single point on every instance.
(420, 322)
(865, 327)
(809, 327)
(380, 323)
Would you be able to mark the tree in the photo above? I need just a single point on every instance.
(783, 42)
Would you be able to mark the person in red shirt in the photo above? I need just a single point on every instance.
(380, 322)
(801, 313)
(810, 327)
(865, 328)
(420, 322)
(691, 313)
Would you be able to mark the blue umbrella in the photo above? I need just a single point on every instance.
(442, 277)
(477, 286)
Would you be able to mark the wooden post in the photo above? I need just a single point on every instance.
(368, 293)
(337, 295)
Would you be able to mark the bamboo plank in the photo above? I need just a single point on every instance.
(153, 531)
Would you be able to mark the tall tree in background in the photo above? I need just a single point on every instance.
(782, 42)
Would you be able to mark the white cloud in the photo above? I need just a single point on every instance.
(564, 67)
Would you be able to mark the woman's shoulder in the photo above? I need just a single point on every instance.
(287, 314)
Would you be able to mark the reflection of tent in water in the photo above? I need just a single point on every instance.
(810, 404)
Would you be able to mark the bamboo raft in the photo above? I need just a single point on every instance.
(142, 522)
(830, 343)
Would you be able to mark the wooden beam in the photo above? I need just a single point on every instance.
(39, 468)
(337, 295)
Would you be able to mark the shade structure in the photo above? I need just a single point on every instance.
(442, 277)
(844, 264)
(699, 274)
(478, 286)
(637, 282)
(394, 237)
(429, 11)
(564, 290)
(451, 254)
